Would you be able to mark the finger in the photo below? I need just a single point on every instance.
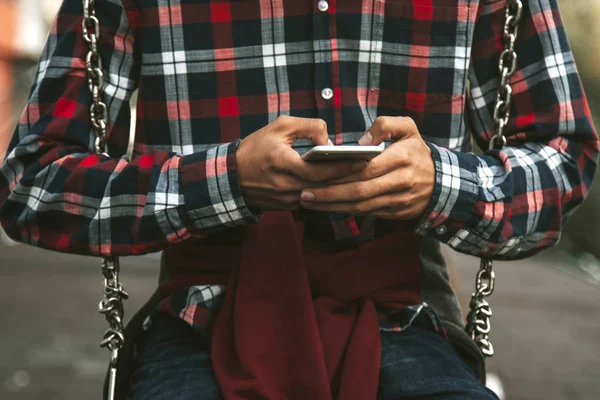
(403, 214)
(267, 200)
(275, 206)
(312, 129)
(390, 161)
(351, 192)
(388, 128)
(367, 207)
(320, 172)
(289, 182)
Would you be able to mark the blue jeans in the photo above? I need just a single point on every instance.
(174, 364)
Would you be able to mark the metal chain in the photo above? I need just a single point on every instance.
(111, 304)
(478, 319)
(90, 27)
(507, 65)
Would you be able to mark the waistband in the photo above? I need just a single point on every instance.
(388, 265)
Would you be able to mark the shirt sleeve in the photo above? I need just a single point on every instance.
(511, 203)
(56, 194)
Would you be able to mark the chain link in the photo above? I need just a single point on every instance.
(507, 65)
(90, 28)
(111, 305)
(479, 317)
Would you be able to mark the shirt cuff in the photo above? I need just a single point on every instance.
(451, 208)
(211, 190)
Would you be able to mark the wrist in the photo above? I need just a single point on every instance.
(242, 174)
(453, 202)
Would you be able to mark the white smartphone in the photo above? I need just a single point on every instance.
(336, 153)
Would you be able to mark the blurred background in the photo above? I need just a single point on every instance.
(546, 324)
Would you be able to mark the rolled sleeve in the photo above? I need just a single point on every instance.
(453, 202)
(211, 190)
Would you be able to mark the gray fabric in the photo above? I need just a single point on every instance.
(437, 292)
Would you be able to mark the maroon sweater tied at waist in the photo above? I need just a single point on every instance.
(298, 322)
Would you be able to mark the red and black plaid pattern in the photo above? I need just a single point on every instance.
(209, 73)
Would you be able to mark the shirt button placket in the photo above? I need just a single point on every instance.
(327, 93)
(324, 92)
(441, 230)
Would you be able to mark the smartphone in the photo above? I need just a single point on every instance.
(336, 153)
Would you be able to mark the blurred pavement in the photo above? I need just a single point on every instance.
(546, 326)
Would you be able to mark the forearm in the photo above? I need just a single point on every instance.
(514, 202)
(57, 194)
(510, 203)
(76, 202)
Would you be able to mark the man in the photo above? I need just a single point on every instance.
(285, 279)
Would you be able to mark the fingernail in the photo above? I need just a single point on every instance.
(307, 196)
(359, 167)
(366, 140)
(329, 142)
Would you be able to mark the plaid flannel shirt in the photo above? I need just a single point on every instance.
(212, 72)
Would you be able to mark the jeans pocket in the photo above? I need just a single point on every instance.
(173, 363)
(167, 338)
(420, 362)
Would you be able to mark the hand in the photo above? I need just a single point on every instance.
(397, 184)
(272, 174)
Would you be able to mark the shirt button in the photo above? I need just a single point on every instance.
(322, 5)
(425, 226)
(327, 93)
(440, 230)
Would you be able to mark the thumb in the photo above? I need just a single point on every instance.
(312, 129)
(388, 128)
